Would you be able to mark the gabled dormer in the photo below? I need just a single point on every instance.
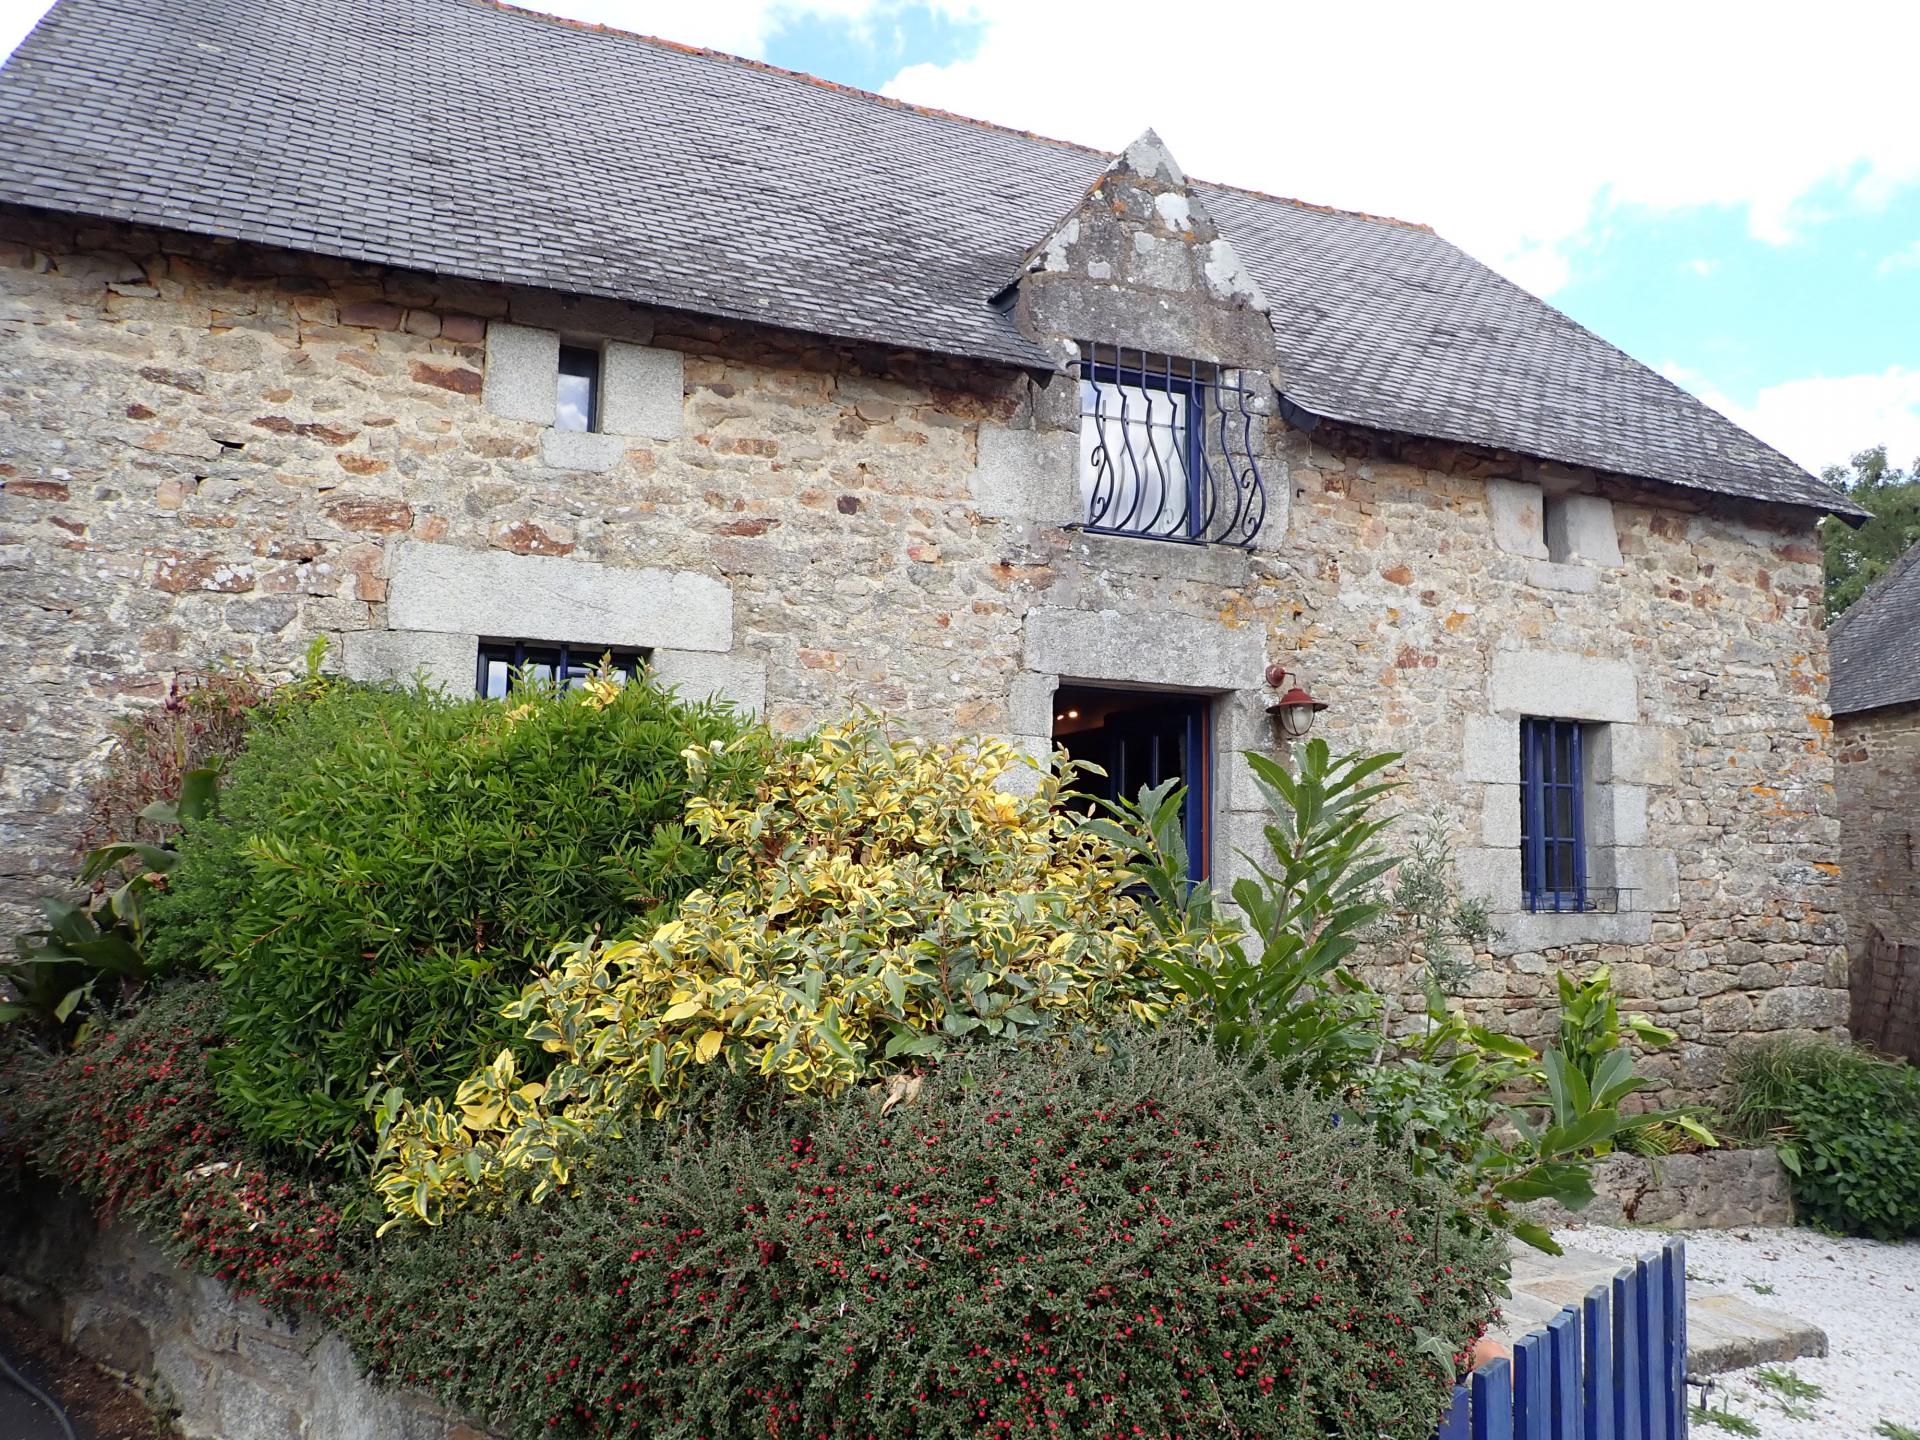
(1169, 340)
(1140, 264)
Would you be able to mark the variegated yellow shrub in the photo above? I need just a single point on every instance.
(876, 900)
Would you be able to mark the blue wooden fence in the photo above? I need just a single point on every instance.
(1615, 1368)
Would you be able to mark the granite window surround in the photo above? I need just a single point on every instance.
(1567, 537)
(443, 599)
(1627, 761)
(639, 392)
(1179, 654)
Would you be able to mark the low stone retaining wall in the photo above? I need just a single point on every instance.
(225, 1367)
(1714, 1190)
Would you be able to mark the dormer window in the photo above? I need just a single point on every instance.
(1167, 450)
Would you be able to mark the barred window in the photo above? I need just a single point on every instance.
(1168, 449)
(1553, 842)
(507, 665)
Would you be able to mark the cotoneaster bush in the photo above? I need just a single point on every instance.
(387, 866)
(1145, 1239)
(1846, 1124)
(876, 901)
(130, 1119)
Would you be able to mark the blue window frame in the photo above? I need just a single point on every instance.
(1169, 449)
(1553, 839)
(505, 665)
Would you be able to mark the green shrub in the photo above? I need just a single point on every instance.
(1846, 1124)
(878, 901)
(387, 866)
(1142, 1239)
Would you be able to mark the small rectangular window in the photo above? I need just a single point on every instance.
(1553, 842)
(577, 402)
(1553, 528)
(507, 665)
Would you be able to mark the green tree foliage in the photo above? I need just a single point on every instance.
(1505, 1124)
(388, 866)
(1856, 558)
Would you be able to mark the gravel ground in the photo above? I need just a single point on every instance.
(1863, 1293)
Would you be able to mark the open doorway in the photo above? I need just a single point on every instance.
(1140, 738)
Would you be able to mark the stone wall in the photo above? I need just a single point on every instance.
(1877, 794)
(225, 1368)
(220, 450)
(1714, 1190)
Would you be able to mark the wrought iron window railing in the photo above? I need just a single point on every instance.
(1168, 449)
(504, 665)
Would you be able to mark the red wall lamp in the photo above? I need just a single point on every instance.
(1295, 708)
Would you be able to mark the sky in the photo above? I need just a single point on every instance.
(1728, 192)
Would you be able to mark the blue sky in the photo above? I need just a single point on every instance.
(1730, 195)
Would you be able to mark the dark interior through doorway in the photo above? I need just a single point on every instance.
(1141, 738)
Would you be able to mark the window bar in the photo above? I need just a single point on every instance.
(1577, 840)
(1196, 768)
(1530, 788)
(1199, 487)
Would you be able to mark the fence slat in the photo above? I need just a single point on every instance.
(1563, 1340)
(1614, 1369)
(1596, 1334)
(1629, 1412)
(1650, 1307)
(1493, 1401)
(1676, 1369)
(1532, 1388)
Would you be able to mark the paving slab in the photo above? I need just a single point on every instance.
(1724, 1332)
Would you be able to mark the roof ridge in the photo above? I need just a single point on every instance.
(1315, 206)
(1908, 558)
(708, 52)
(932, 111)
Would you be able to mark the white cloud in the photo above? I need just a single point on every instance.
(17, 17)
(1907, 259)
(1825, 420)
(1510, 127)
(1702, 266)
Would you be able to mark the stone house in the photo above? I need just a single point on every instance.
(1875, 647)
(469, 337)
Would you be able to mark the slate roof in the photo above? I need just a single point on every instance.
(1874, 648)
(472, 139)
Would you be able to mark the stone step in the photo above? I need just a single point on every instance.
(1724, 1332)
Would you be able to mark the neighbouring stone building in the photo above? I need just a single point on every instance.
(1876, 718)
(813, 399)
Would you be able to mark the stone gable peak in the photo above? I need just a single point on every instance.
(1141, 242)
